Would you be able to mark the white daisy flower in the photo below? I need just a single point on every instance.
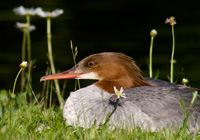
(24, 11)
(119, 93)
(25, 26)
(46, 14)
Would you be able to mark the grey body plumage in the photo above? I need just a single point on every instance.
(149, 107)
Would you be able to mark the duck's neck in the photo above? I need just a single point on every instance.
(126, 83)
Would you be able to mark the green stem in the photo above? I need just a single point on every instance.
(11, 100)
(47, 91)
(33, 94)
(52, 62)
(29, 79)
(23, 59)
(172, 57)
(28, 47)
(115, 106)
(13, 91)
(10, 117)
(110, 114)
(187, 112)
(50, 97)
(150, 58)
(74, 59)
(28, 40)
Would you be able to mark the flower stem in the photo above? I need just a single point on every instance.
(172, 56)
(74, 59)
(11, 99)
(110, 114)
(150, 58)
(29, 79)
(23, 59)
(52, 62)
(28, 40)
(13, 91)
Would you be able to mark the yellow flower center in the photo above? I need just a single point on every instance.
(118, 93)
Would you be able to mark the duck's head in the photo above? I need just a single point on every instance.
(109, 68)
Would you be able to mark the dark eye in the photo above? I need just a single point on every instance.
(91, 64)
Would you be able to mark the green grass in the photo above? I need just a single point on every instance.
(27, 118)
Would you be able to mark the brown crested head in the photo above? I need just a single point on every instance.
(110, 68)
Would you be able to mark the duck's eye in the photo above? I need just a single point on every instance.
(91, 64)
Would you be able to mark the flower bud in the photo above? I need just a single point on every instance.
(153, 33)
(12, 95)
(23, 64)
(185, 81)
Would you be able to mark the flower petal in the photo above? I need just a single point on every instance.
(25, 26)
(46, 14)
(57, 12)
(121, 90)
(40, 12)
(24, 11)
(115, 89)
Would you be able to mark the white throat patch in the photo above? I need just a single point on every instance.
(90, 75)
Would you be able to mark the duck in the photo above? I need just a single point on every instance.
(150, 104)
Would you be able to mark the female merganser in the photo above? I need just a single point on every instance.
(150, 104)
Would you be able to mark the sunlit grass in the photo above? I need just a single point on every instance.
(32, 121)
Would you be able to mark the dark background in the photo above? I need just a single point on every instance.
(97, 26)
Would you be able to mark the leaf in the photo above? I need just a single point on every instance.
(194, 97)
(182, 105)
